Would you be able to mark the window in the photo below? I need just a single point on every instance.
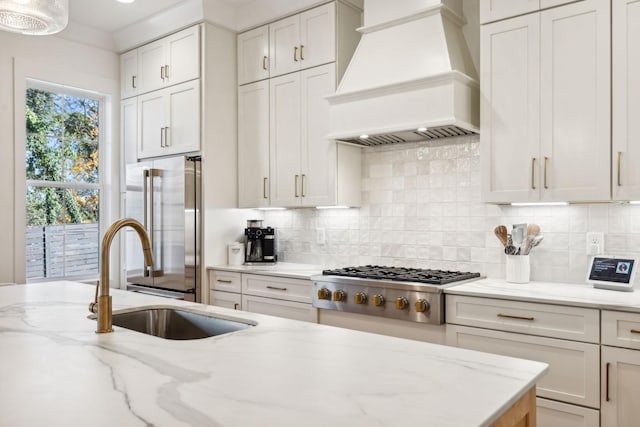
(63, 183)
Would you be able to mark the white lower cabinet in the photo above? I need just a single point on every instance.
(264, 294)
(226, 299)
(566, 338)
(620, 369)
(280, 308)
(556, 414)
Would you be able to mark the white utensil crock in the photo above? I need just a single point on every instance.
(518, 268)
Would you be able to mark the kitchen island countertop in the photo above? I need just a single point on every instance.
(56, 371)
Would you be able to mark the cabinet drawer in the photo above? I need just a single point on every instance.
(226, 299)
(620, 329)
(573, 323)
(225, 281)
(277, 287)
(280, 308)
(553, 414)
(571, 364)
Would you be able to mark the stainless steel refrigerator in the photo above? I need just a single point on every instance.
(165, 196)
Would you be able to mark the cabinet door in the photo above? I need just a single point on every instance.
(318, 154)
(510, 112)
(284, 46)
(129, 131)
(620, 387)
(182, 56)
(151, 124)
(550, 413)
(626, 99)
(318, 36)
(493, 10)
(280, 308)
(575, 102)
(128, 74)
(285, 140)
(253, 55)
(571, 364)
(151, 60)
(253, 145)
(183, 133)
(226, 299)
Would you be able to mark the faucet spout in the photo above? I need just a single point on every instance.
(102, 304)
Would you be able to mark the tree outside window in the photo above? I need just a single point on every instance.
(63, 186)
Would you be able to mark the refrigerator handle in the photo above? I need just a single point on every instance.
(157, 257)
(145, 205)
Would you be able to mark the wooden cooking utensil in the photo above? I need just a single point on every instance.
(533, 230)
(501, 233)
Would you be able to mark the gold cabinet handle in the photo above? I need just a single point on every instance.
(302, 187)
(264, 62)
(546, 159)
(133, 82)
(166, 71)
(166, 136)
(161, 137)
(265, 181)
(223, 281)
(162, 73)
(533, 173)
(277, 288)
(295, 53)
(619, 164)
(301, 52)
(295, 185)
(635, 331)
(508, 316)
(608, 365)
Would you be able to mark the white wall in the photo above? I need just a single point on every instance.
(61, 61)
(421, 207)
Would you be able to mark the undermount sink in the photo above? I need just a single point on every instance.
(177, 324)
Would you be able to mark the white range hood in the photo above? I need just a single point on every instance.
(411, 77)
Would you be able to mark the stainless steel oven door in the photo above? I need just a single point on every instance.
(162, 293)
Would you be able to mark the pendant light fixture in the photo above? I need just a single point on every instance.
(34, 17)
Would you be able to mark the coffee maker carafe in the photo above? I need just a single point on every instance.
(261, 243)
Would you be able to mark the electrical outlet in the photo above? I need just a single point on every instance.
(595, 243)
(320, 236)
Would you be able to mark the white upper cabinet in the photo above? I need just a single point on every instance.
(303, 41)
(626, 99)
(253, 145)
(495, 10)
(168, 61)
(129, 74)
(253, 55)
(545, 83)
(169, 121)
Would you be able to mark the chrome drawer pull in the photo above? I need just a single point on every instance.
(276, 288)
(224, 281)
(508, 316)
(635, 331)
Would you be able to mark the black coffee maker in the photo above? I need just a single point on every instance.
(261, 243)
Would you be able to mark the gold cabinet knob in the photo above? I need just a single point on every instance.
(422, 306)
(324, 293)
(401, 303)
(360, 298)
(378, 300)
(339, 295)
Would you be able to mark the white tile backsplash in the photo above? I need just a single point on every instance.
(422, 208)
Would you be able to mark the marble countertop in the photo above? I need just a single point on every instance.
(56, 371)
(580, 295)
(280, 269)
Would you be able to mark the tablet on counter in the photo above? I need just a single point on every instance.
(615, 273)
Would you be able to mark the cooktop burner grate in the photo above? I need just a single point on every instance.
(402, 274)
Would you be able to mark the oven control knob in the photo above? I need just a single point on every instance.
(401, 303)
(339, 295)
(422, 306)
(324, 293)
(378, 300)
(360, 298)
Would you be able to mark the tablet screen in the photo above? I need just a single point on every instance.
(615, 270)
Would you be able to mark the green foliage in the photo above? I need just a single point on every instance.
(61, 146)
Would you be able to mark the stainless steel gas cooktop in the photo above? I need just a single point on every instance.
(411, 294)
